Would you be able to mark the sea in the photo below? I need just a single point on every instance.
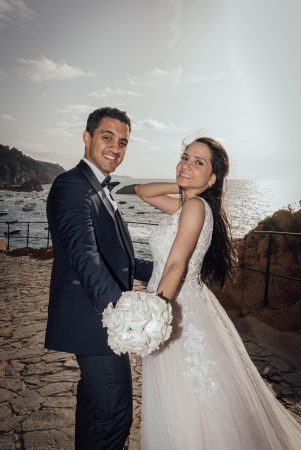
(246, 203)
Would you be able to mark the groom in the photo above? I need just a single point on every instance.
(93, 264)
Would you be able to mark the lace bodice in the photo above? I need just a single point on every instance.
(161, 240)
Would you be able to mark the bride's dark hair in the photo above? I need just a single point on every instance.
(220, 260)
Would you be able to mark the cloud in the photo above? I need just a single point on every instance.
(44, 69)
(177, 76)
(147, 81)
(78, 109)
(139, 140)
(175, 25)
(15, 11)
(158, 72)
(153, 124)
(6, 117)
(67, 131)
(71, 128)
(201, 73)
(157, 77)
(107, 91)
(3, 74)
(207, 77)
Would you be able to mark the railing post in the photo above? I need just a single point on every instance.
(8, 236)
(27, 236)
(48, 236)
(267, 271)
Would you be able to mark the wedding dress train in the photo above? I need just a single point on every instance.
(201, 391)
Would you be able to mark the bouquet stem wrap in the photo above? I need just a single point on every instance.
(138, 323)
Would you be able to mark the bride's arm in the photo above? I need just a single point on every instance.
(191, 222)
(158, 195)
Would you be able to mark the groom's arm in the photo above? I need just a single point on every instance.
(143, 269)
(69, 211)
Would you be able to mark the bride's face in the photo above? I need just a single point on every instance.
(194, 170)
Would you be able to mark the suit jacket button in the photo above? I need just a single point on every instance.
(125, 269)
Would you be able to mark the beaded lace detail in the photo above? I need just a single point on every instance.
(198, 365)
(194, 346)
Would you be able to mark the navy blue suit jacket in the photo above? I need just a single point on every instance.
(93, 263)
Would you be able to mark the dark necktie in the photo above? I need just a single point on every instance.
(109, 184)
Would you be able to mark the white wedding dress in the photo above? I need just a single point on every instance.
(201, 391)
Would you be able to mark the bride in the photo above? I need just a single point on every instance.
(201, 391)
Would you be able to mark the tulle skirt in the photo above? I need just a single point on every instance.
(201, 391)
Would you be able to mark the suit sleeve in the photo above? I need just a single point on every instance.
(69, 209)
(143, 269)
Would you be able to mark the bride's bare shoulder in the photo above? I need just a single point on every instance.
(193, 210)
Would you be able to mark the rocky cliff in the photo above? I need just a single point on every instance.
(283, 307)
(17, 168)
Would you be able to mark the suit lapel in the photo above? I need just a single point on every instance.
(86, 170)
(120, 227)
(125, 237)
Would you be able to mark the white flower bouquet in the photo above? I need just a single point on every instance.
(138, 323)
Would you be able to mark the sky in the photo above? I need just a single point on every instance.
(229, 69)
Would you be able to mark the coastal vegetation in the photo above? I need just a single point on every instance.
(17, 168)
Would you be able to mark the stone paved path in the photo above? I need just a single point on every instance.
(37, 387)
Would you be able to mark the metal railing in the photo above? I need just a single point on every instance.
(10, 233)
(267, 272)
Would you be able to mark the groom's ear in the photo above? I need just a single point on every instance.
(86, 138)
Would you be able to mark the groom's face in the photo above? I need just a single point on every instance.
(107, 147)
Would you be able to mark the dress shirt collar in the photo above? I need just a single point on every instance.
(99, 175)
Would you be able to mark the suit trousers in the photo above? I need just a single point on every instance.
(104, 402)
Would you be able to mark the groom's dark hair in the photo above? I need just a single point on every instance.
(96, 116)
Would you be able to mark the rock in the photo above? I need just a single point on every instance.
(268, 371)
(54, 388)
(292, 378)
(30, 401)
(247, 295)
(129, 189)
(4, 412)
(283, 317)
(280, 365)
(61, 402)
(43, 253)
(71, 364)
(283, 219)
(11, 422)
(63, 376)
(252, 348)
(49, 439)
(2, 245)
(280, 390)
(5, 395)
(8, 441)
(30, 186)
(46, 420)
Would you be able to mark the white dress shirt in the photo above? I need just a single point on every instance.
(100, 176)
